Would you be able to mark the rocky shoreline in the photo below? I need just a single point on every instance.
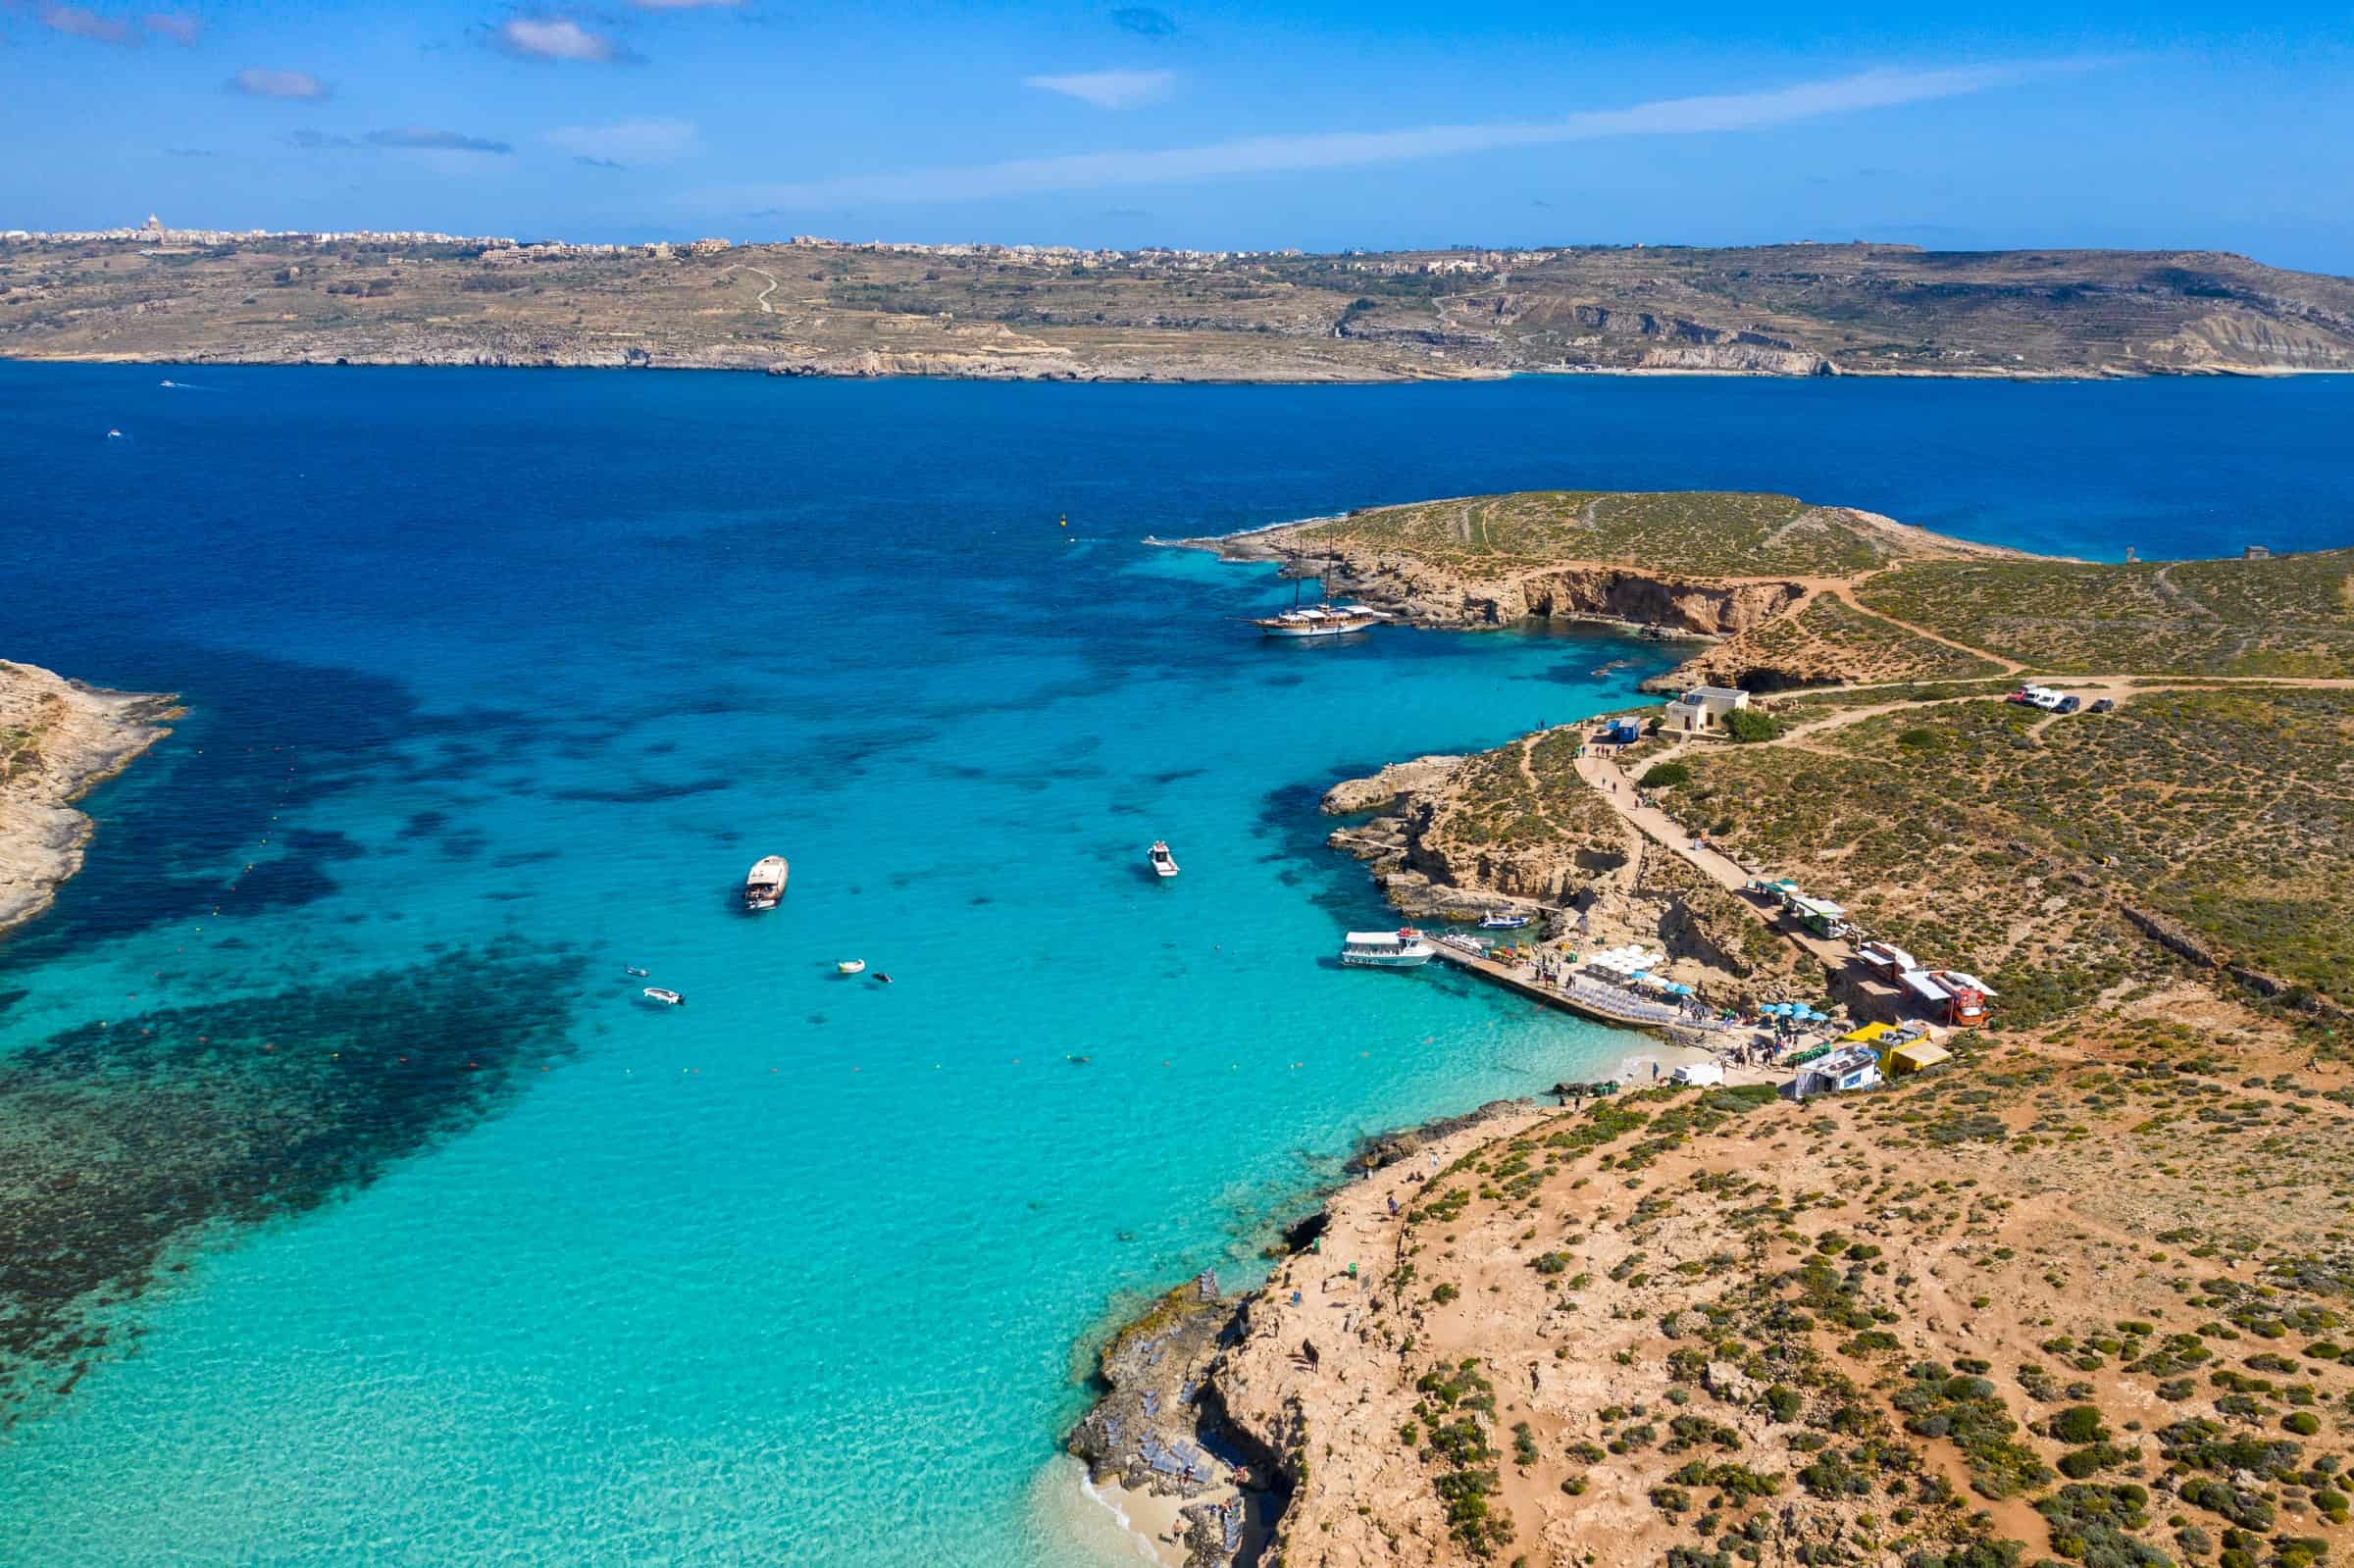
(1179, 1425)
(59, 739)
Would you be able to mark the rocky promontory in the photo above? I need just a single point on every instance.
(58, 738)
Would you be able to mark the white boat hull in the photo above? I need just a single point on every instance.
(1410, 958)
(1302, 631)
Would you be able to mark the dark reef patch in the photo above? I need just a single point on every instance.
(122, 1148)
(643, 794)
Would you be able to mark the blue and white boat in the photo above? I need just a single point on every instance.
(1502, 920)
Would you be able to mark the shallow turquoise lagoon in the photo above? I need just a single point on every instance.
(499, 681)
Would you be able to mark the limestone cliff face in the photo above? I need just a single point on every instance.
(1750, 359)
(1618, 593)
(1432, 594)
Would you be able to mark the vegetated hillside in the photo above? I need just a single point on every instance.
(830, 309)
(2013, 845)
(2084, 1302)
(1691, 533)
(2287, 615)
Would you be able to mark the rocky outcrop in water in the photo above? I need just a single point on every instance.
(58, 740)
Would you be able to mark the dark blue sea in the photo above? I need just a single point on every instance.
(396, 1229)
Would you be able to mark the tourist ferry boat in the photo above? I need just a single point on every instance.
(1319, 621)
(1402, 948)
(1162, 862)
(766, 883)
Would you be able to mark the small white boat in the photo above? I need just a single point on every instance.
(664, 995)
(1163, 863)
(1402, 948)
(766, 883)
(1499, 920)
(849, 966)
(634, 973)
(113, 435)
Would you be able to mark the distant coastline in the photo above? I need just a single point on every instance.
(1025, 313)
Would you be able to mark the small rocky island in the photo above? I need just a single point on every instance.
(59, 739)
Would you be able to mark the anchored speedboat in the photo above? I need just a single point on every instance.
(849, 966)
(1502, 920)
(1163, 863)
(663, 995)
(766, 883)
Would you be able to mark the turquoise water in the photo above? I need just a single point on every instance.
(499, 681)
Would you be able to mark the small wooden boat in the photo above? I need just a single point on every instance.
(663, 995)
(849, 966)
(765, 885)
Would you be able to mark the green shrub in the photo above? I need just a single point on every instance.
(1747, 724)
(1666, 776)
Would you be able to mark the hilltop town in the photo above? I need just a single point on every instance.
(2032, 1246)
(821, 307)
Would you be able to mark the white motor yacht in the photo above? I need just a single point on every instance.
(1402, 948)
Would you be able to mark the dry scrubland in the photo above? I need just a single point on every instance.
(1696, 532)
(1979, 830)
(832, 309)
(2290, 615)
(2085, 1305)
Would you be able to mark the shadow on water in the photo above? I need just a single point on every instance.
(262, 739)
(121, 1145)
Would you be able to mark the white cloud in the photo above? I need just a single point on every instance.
(629, 142)
(77, 23)
(554, 38)
(1259, 155)
(257, 82)
(1108, 89)
(424, 139)
(180, 29)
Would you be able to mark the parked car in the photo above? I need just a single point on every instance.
(2103, 704)
(2068, 704)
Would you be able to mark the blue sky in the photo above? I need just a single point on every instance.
(1215, 125)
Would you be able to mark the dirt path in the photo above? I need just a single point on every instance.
(1845, 593)
(1606, 776)
(761, 299)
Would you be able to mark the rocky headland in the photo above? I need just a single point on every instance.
(58, 738)
(2077, 1294)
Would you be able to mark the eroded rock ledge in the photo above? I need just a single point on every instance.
(1427, 593)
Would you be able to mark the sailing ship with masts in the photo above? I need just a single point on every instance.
(1324, 620)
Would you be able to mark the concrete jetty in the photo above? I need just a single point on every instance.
(1585, 1000)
